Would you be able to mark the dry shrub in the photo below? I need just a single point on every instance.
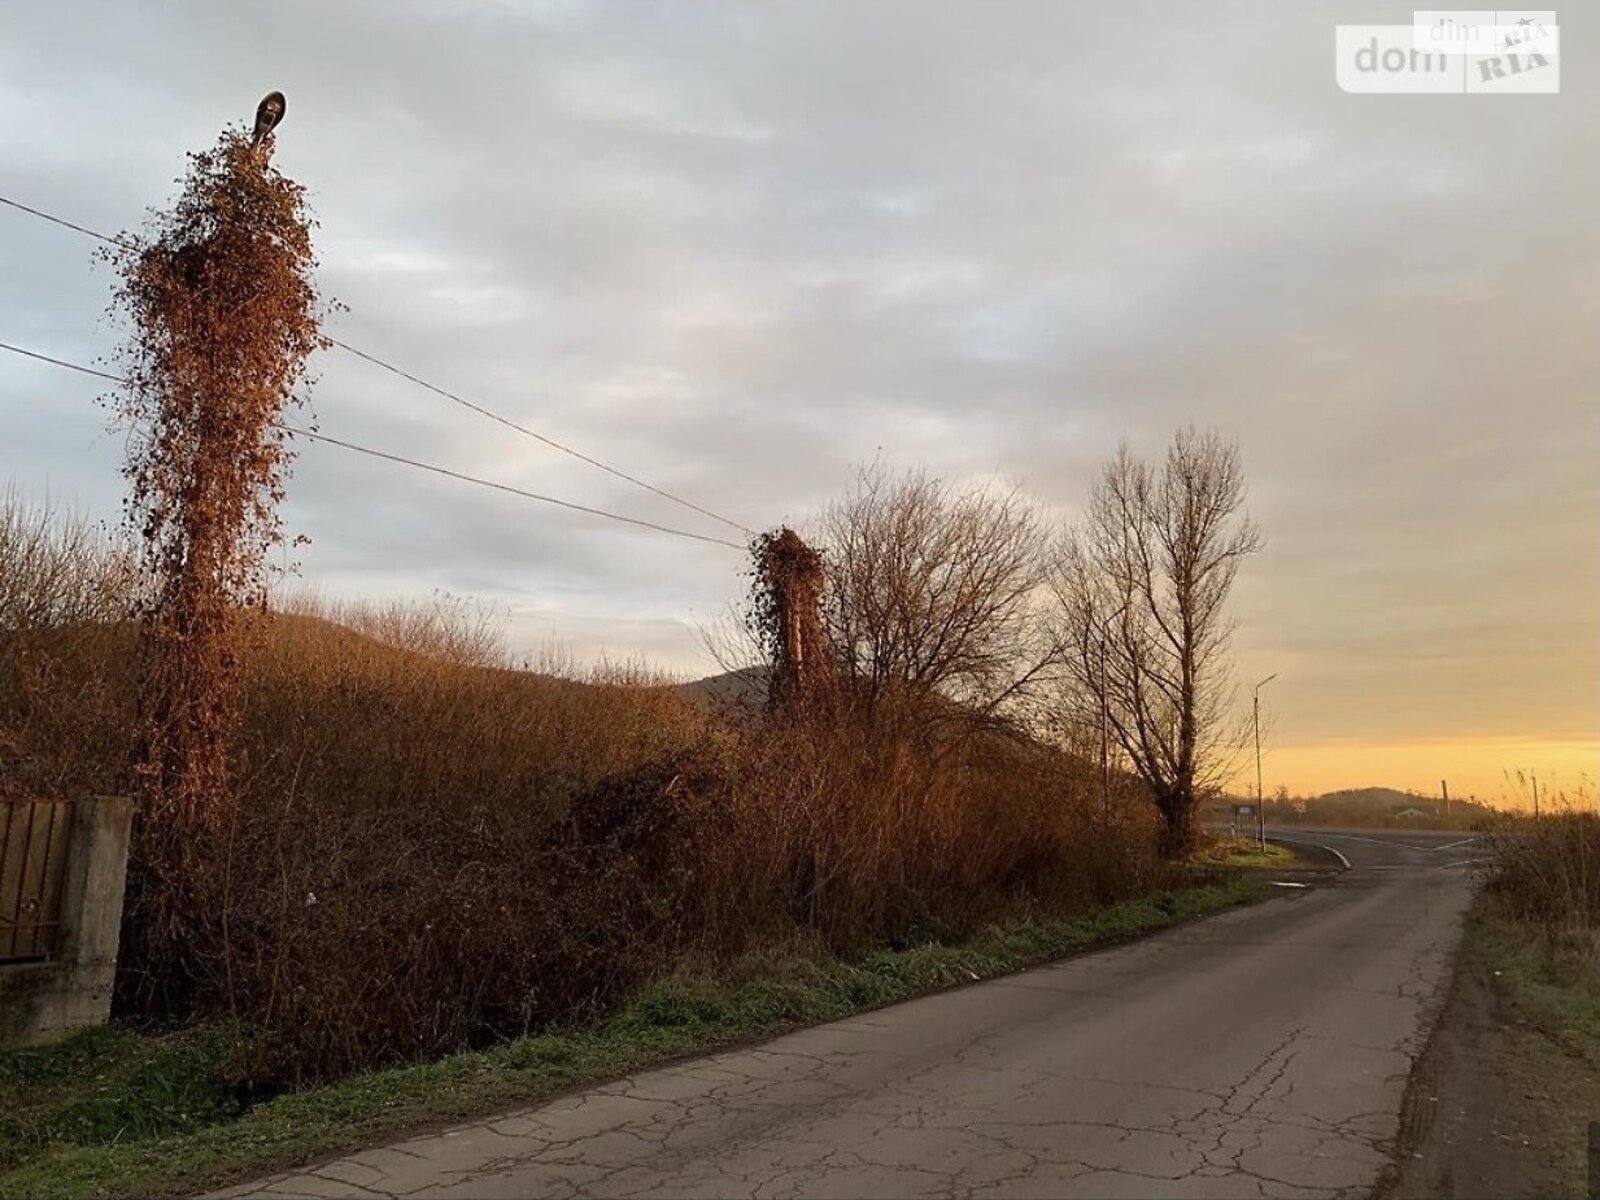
(66, 675)
(446, 626)
(447, 855)
(409, 871)
(424, 854)
(1547, 869)
(864, 832)
(343, 719)
(358, 937)
(58, 569)
(428, 854)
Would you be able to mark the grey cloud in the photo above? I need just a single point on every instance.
(737, 249)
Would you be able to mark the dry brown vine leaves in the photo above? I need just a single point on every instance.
(222, 313)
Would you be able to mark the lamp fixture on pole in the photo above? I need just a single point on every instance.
(268, 113)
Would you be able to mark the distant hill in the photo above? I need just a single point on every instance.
(1383, 798)
(1371, 806)
(1380, 806)
(746, 687)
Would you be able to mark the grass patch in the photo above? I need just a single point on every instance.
(106, 1085)
(111, 1112)
(1245, 853)
(1549, 985)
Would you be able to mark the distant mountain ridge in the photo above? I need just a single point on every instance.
(1377, 797)
(743, 687)
(1379, 806)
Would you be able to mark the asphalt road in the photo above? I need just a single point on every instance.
(1262, 1052)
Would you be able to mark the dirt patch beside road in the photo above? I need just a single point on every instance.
(1499, 1103)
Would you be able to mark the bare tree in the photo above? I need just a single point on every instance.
(59, 569)
(934, 590)
(1142, 587)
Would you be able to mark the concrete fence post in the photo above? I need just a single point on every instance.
(97, 873)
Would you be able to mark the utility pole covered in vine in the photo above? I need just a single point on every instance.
(222, 313)
(788, 596)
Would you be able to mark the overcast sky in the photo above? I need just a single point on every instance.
(738, 249)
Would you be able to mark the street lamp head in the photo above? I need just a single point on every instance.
(1266, 681)
(268, 113)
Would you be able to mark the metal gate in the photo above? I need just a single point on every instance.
(34, 836)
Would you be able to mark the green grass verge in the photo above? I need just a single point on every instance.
(1254, 856)
(1550, 987)
(111, 1112)
(1246, 853)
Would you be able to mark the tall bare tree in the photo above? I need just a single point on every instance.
(935, 590)
(1142, 586)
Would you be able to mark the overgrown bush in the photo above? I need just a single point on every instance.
(58, 569)
(67, 588)
(1547, 869)
(429, 853)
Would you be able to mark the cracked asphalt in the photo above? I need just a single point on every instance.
(1261, 1052)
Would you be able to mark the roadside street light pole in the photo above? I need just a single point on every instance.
(1105, 717)
(1104, 700)
(1261, 816)
(1105, 736)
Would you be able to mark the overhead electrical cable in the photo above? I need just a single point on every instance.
(434, 468)
(447, 394)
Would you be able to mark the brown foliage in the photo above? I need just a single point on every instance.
(222, 314)
(66, 677)
(786, 597)
(428, 854)
(57, 569)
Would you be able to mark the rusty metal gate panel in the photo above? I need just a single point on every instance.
(34, 837)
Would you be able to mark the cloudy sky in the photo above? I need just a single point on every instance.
(737, 249)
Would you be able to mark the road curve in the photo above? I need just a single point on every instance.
(1261, 1052)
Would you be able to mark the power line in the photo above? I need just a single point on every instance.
(61, 362)
(437, 390)
(55, 220)
(506, 487)
(548, 441)
(295, 431)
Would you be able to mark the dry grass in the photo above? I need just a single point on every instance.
(1244, 851)
(1546, 870)
(1535, 934)
(429, 853)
